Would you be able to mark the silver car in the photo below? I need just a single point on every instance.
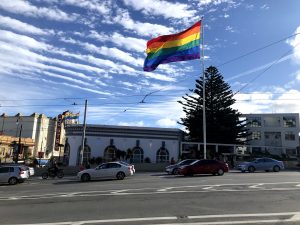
(13, 174)
(266, 164)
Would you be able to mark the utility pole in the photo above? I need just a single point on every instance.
(19, 145)
(83, 134)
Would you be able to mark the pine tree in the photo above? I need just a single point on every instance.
(223, 124)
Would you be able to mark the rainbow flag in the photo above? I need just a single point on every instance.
(172, 48)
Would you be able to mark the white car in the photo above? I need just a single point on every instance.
(106, 170)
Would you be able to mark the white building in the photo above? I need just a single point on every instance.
(135, 144)
(36, 126)
(276, 133)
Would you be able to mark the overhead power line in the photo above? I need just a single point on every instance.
(257, 50)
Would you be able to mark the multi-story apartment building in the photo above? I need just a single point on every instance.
(40, 128)
(276, 133)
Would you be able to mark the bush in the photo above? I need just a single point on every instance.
(147, 160)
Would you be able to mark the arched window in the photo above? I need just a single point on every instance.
(110, 153)
(137, 155)
(86, 155)
(162, 155)
(66, 154)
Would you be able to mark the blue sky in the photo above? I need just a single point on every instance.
(55, 54)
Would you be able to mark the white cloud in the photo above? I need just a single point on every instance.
(27, 9)
(167, 122)
(226, 16)
(264, 7)
(128, 43)
(135, 123)
(101, 6)
(19, 26)
(22, 40)
(295, 43)
(159, 76)
(287, 102)
(144, 29)
(162, 8)
(230, 29)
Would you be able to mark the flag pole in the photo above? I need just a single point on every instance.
(203, 94)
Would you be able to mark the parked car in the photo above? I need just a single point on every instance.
(29, 169)
(13, 174)
(204, 166)
(127, 164)
(266, 164)
(106, 170)
(173, 169)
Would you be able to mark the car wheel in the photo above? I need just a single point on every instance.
(13, 181)
(85, 177)
(60, 174)
(45, 176)
(220, 172)
(251, 169)
(276, 168)
(120, 176)
(175, 171)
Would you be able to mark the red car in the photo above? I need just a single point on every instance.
(204, 166)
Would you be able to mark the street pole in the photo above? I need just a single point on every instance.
(19, 145)
(83, 134)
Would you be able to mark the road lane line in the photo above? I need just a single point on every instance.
(256, 186)
(295, 218)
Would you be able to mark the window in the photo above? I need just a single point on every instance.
(289, 121)
(4, 170)
(162, 155)
(290, 136)
(110, 153)
(255, 121)
(256, 135)
(137, 155)
(113, 165)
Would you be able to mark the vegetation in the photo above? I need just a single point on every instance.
(223, 124)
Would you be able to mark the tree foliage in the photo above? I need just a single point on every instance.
(223, 124)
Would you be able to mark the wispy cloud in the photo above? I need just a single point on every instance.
(22, 27)
(295, 43)
(129, 43)
(162, 8)
(143, 29)
(27, 9)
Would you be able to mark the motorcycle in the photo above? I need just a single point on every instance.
(53, 174)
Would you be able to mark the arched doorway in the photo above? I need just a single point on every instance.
(66, 153)
(137, 155)
(110, 153)
(162, 155)
(86, 155)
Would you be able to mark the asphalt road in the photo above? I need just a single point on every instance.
(156, 198)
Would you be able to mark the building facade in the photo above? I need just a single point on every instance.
(134, 144)
(38, 127)
(276, 133)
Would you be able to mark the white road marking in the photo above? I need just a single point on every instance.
(295, 218)
(256, 186)
(166, 190)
